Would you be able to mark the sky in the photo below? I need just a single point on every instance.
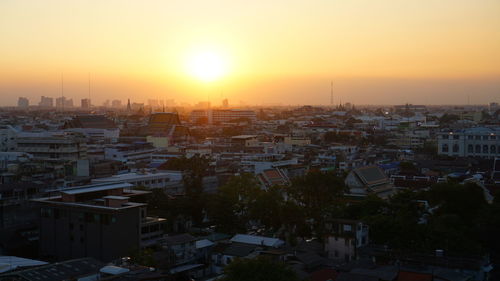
(274, 51)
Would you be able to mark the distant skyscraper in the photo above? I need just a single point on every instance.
(129, 107)
(86, 104)
(68, 103)
(23, 102)
(225, 103)
(116, 103)
(60, 102)
(46, 102)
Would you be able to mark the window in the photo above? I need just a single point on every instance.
(444, 148)
(445, 137)
(493, 149)
(485, 148)
(478, 148)
(347, 227)
(478, 137)
(485, 137)
(470, 148)
(470, 137)
(456, 137)
(493, 137)
(455, 148)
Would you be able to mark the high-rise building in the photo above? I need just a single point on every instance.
(86, 104)
(46, 102)
(68, 103)
(116, 103)
(225, 103)
(23, 102)
(63, 102)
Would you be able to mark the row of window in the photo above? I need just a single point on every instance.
(87, 217)
(470, 137)
(472, 149)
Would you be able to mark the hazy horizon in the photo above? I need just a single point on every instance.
(284, 52)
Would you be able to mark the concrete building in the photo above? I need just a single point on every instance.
(64, 103)
(46, 102)
(85, 104)
(53, 146)
(169, 181)
(344, 238)
(8, 135)
(222, 115)
(116, 103)
(126, 153)
(23, 103)
(99, 221)
(474, 142)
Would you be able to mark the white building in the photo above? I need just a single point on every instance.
(474, 142)
(53, 145)
(170, 181)
(344, 238)
(137, 152)
(222, 115)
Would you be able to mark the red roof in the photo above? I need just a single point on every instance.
(413, 276)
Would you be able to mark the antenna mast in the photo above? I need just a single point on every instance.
(331, 94)
(62, 92)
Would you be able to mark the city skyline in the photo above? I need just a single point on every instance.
(437, 52)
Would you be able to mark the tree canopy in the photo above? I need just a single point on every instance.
(259, 269)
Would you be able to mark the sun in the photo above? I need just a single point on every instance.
(207, 66)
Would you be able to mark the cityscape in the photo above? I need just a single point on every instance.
(370, 152)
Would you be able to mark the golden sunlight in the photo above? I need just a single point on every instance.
(207, 66)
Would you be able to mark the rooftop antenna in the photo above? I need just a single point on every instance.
(62, 92)
(89, 91)
(331, 94)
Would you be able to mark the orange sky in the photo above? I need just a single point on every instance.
(287, 52)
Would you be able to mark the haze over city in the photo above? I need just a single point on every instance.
(284, 52)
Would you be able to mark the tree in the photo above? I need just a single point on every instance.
(259, 269)
(230, 209)
(194, 169)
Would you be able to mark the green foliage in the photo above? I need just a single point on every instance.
(259, 269)
(459, 214)
(143, 257)
(194, 169)
(448, 119)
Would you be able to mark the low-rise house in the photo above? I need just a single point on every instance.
(258, 240)
(181, 249)
(344, 238)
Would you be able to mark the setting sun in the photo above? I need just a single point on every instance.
(207, 66)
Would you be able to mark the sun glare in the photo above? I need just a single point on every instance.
(207, 66)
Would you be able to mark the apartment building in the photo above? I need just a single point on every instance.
(100, 221)
(53, 146)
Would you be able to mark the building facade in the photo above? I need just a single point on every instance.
(99, 221)
(481, 142)
(49, 146)
(222, 115)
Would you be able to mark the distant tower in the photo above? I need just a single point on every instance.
(62, 92)
(331, 95)
(225, 103)
(129, 108)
